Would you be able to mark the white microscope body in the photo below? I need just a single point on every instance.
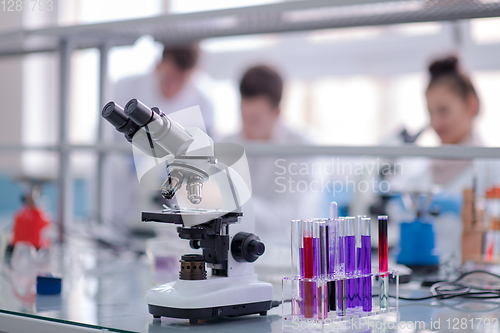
(226, 238)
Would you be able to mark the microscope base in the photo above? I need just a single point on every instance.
(210, 298)
(205, 313)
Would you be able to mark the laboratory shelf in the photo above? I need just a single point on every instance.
(287, 16)
(274, 150)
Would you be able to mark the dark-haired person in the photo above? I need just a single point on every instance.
(453, 105)
(452, 102)
(172, 86)
(275, 201)
(261, 89)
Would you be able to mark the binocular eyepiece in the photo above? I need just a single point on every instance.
(116, 116)
(129, 120)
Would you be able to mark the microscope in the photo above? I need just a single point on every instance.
(188, 156)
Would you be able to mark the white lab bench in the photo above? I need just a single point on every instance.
(104, 291)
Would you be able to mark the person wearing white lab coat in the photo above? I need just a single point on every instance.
(172, 86)
(453, 106)
(275, 201)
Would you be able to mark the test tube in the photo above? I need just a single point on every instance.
(332, 238)
(340, 267)
(365, 286)
(297, 249)
(332, 235)
(308, 289)
(350, 261)
(321, 254)
(321, 249)
(383, 262)
(357, 296)
(297, 252)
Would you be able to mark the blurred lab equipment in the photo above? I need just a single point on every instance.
(417, 248)
(481, 220)
(379, 207)
(163, 255)
(229, 248)
(30, 221)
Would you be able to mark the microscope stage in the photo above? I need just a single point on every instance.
(189, 217)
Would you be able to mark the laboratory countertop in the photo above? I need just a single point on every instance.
(105, 291)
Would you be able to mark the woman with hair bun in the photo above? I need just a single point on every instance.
(453, 105)
(452, 102)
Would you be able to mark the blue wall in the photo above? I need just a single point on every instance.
(12, 191)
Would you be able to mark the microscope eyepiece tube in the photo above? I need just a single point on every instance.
(138, 112)
(168, 134)
(114, 114)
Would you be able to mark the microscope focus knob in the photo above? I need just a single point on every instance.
(246, 247)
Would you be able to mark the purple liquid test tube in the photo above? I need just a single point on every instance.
(350, 262)
(366, 265)
(357, 296)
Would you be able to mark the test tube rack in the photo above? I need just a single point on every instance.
(327, 318)
(332, 284)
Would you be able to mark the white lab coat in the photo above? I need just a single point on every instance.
(274, 211)
(449, 178)
(127, 197)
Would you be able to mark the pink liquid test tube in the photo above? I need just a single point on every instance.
(308, 289)
(383, 252)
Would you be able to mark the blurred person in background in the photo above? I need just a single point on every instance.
(261, 89)
(453, 106)
(173, 85)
